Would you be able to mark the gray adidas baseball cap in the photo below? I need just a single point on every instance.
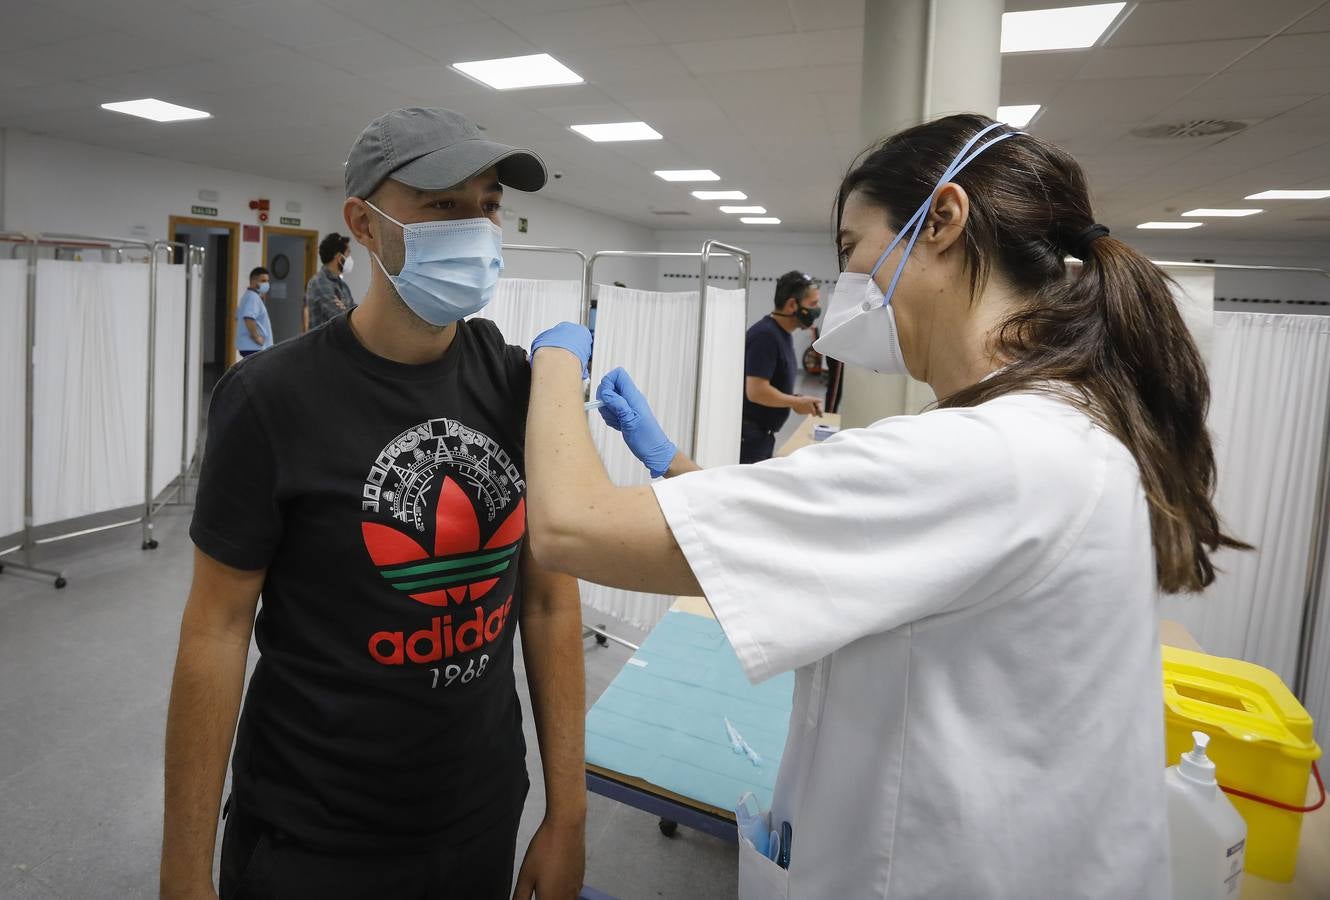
(434, 149)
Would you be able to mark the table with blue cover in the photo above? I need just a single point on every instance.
(656, 739)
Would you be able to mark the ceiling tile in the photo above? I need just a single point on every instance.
(599, 27)
(431, 80)
(1124, 99)
(1288, 52)
(100, 54)
(507, 9)
(1206, 20)
(1318, 20)
(614, 64)
(1200, 20)
(588, 114)
(467, 41)
(811, 15)
(291, 23)
(399, 17)
(836, 46)
(680, 21)
(1042, 68)
(371, 55)
(772, 51)
(688, 113)
(1193, 58)
(204, 36)
(28, 25)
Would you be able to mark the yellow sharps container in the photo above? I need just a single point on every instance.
(1261, 743)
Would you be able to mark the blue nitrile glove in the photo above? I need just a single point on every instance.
(574, 338)
(627, 412)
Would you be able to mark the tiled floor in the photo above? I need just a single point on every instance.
(84, 679)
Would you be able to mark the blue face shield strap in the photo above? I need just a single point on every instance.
(915, 226)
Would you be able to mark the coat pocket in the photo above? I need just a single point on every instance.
(759, 877)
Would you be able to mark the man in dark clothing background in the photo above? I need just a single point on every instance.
(770, 366)
(327, 294)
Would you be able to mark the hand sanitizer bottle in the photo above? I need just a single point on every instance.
(1206, 833)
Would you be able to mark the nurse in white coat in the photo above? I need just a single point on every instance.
(967, 595)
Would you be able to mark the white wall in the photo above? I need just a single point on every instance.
(774, 254)
(554, 224)
(1266, 285)
(56, 185)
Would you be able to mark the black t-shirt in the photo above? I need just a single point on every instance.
(387, 502)
(769, 354)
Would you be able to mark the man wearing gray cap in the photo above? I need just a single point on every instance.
(380, 752)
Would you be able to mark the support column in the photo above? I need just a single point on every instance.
(922, 59)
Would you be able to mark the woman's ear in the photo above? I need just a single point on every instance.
(946, 220)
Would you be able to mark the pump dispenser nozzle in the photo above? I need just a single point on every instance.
(1195, 765)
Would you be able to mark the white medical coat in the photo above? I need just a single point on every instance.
(968, 597)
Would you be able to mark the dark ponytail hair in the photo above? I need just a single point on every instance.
(1108, 337)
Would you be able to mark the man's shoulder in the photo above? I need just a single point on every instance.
(765, 329)
(285, 364)
(759, 327)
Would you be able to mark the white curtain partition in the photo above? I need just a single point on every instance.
(90, 384)
(524, 307)
(1271, 393)
(170, 389)
(13, 337)
(654, 336)
(1194, 291)
(1317, 700)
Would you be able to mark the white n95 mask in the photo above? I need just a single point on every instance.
(860, 326)
(450, 269)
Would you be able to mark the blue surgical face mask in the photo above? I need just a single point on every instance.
(450, 268)
(264, 287)
(860, 328)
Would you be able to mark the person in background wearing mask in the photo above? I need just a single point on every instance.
(770, 367)
(380, 751)
(255, 330)
(968, 596)
(327, 293)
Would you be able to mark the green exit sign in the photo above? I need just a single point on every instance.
(287, 220)
(203, 210)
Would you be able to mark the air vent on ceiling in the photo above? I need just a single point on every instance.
(1193, 128)
(670, 212)
(1313, 219)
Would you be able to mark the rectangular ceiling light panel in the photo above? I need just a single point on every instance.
(1169, 226)
(686, 175)
(1289, 195)
(516, 72)
(1069, 28)
(760, 220)
(739, 210)
(1017, 116)
(618, 131)
(1222, 213)
(157, 110)
(720, 195)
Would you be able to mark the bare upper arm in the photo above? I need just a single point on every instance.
(222, 600)
(617, 538)
(544, 590)
(755, 387)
